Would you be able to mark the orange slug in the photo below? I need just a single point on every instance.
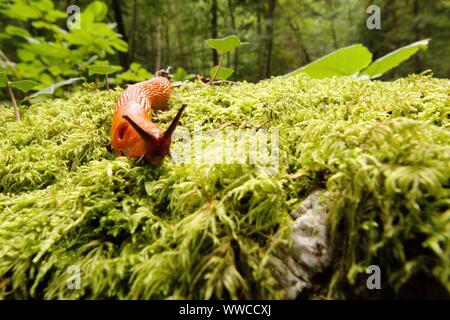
(133, 134)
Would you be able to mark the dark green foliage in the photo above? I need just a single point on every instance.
(47, 51)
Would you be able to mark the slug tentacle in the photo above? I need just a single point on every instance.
(175, 121)
(144, 129)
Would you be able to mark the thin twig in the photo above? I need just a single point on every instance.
(13, 100)
(217, 70)
(9, 62)
(107, 81)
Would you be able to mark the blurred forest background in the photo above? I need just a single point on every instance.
(148, 35)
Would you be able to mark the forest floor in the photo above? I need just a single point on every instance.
(198, 229)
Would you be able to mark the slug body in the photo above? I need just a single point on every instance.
(133, 134)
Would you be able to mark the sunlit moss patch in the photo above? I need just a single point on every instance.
(382, 149)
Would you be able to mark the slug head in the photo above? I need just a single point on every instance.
(157, 142)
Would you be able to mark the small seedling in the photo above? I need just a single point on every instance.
(22, 85)
(50, 90)
(356, 61)
(103, 69)
(223, 46)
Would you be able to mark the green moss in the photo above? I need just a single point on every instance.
(209, 231)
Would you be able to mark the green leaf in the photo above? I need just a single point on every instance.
(393, 59)
(103, 69)
(226, 44)
(343, 62)
(20, 10)
(120, 45)
(51, 89)
(96, 11)
(136, 73)
(180, 74)
(17, 31)
(3, 79)
(223, 74)
(49, 26)
(24, 85)
(26, 55)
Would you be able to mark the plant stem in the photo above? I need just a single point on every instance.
(217, 70)
(107, 81)
(10, 63)
(13, 100)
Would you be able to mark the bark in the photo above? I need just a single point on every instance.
(117, 8)
(158, 44)
(173, 12)
(233, 26)
(300, 42)
(133, 31)
(333, 29)
(269, 38)
(417, 61)
(214, 33)
(259, 38)
(167, 40)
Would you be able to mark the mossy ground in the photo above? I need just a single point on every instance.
(382, 149)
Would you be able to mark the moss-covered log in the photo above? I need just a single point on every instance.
(381, 149)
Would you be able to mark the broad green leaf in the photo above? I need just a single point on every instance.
(393, 59)
(26, 55)
(20, 10)
(120, 45)
(223, 74)
(135, 66)
(3, 79)
(180, 74)
(343, 62)
(44, 5)
(136, 73)
(51, 89)
(49, 26)
(226, 44)
(47, 7)
(95, 11)
(103, 69)
(24, 85)
(17, 31)
(54, 15)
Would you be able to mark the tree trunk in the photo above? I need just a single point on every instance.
(173, 12)
(158, 43)
(333, 29)
(269, 38)
(416, 10)
(133, 31)
(214, 33)
(117, 8)
(167, 40)
(260, 40)
(233, 26)
(300, 43)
